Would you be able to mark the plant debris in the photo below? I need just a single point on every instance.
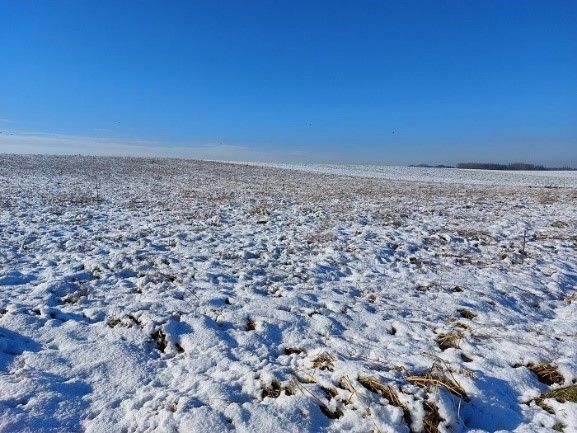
(273, 390)
(562, 395)
(324, 361)
(374, 385)
(435, 376)
(449, 340)
(466, 314)
(250, 324)
(432, 419)
(547, 373)
(159, 338)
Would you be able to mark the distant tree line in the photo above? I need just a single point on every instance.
(514, 166)
(431, 166)
(493, 166)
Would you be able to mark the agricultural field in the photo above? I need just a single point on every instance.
(172, 295)
(533, 178)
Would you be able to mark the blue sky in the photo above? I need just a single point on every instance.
(392, 82)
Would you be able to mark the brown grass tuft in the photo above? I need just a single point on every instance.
(329, 392)
(432, 419)
(290, 388)
(466, 314)
(374, 385)
(273, 390)
(159, 338)
(562, 395)
(435, 377)
(559, 224)
(547, 373)
(293, 350)
(449, 340)
(345, 383)
(250, 324)
(324, 361)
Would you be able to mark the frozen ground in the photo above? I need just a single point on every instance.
(565, 179)
(182, 296)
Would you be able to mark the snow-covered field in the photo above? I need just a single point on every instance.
(547, 179)
(141, 295)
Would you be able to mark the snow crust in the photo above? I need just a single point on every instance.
(565, 179)
(160, 295)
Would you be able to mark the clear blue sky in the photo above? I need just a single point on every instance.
(359, 81)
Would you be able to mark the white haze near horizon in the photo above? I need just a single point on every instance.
(63, 144)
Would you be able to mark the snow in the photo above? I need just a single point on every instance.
(551, 179)
(172, 295)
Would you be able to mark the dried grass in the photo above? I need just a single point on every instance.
(547, 373)
(432, 419)
(250, 324)
(290, 387)
(466, 314)
(329, 392)
(324, 361)
(559, 224)
(293, 350)
(562, 395)
(112, 321)
(449, 340)
(159, 338)
(345, 383)
(374, 385)
(273, 390)
(436, 377)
